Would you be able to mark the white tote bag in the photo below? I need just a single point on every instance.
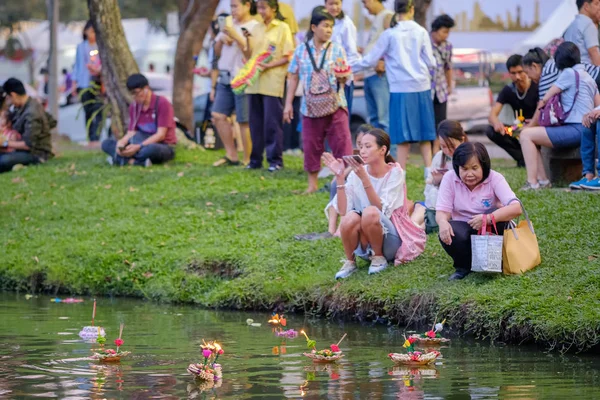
(486, 250)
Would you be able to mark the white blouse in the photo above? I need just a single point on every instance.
(389, 188)
(431, 190)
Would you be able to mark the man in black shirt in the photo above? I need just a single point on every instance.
(522, 96)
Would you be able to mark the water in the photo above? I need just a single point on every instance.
(42, 357)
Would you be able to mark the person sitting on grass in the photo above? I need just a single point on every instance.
(313, 63)
(469, 193)
(6, 131)
(372, 205)
(33, 124)
(451, 135)
(150, 136)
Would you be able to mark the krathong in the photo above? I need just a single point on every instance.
(91, 332)
(208, 370)
(433, 336)
(412, 357)
(251, 71)
(110, 355)
(326, 355)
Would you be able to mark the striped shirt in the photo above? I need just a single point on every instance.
(550, 74)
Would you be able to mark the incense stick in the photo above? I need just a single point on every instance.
(94, 312)
(343, 337)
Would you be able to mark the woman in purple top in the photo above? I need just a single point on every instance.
(467, 195)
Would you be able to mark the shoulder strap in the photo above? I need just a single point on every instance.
(576, 93)
(312, 58)
(156, 111)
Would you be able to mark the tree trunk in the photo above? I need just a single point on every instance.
(195, 17)
(421, 7)
(117, 61)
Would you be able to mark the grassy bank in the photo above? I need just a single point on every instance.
(224, 238)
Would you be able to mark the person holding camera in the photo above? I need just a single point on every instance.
(150, 138)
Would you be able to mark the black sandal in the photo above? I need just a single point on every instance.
(226, 161)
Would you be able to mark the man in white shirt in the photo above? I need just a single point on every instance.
(583, 31)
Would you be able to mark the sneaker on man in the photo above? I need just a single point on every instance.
(577, 185)
(378, 264)
(347, 269)
(147, 163)
(110, 160)
(594, 184)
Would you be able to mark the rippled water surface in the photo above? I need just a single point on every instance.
(41, 356)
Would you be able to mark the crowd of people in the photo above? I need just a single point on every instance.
(407, 75)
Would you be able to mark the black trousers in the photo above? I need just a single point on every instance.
(440, 111)
(291, 136)
(510, 144)
(460, 248)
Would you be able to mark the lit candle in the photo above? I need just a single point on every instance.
(305, 335)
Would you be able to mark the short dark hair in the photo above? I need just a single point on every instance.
(403, 6)
(319, 14)
(13, 85)
(137, 81)
(580, 3)
(513, 61)
(535, 56)
(468, 150)
(567, 55)
(443, 21)
(364, 128)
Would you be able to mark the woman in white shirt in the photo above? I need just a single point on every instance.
(366, 202)
(233, 45)
(344, 33)
(408, 55)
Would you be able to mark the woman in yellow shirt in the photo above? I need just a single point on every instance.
(266, 95)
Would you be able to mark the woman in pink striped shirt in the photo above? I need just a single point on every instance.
(469, 193)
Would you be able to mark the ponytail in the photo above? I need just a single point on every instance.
(382, 139)
(535, 56)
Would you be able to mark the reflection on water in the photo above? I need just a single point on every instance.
(40, 356)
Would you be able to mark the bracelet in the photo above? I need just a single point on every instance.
(341, 187)
(366, 187)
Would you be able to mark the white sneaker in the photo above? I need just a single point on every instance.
(347, 269)
(378, 264)
(110, 160)
(147, 163)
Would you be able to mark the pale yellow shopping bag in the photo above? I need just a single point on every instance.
(520, 251)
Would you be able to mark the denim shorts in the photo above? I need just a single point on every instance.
(568, 135)
(391, 240)
(226, 102)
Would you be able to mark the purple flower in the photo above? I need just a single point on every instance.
(206, 353)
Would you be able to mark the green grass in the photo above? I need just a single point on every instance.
(188, 232)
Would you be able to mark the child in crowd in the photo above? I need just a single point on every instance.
(451, 136)
(372, 202)
(344, 33)
(265, 96)
(232, 47)
(7, 133)
(324, 109)
(408, 55)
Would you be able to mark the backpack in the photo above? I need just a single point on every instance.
(321, 99)
(553, 113)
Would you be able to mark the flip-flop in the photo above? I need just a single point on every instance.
(226, 161)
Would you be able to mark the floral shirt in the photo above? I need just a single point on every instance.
(443, 56)
(302, 65)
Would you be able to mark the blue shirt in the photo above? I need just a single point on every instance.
(406, 50)
(81, 74)
(301, 65)
(584, 33)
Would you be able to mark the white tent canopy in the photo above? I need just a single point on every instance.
(553, 28)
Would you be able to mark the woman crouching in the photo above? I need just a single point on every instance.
(467, 195)
(372, 205)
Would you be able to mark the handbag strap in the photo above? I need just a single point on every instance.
(494, 223)
(483, 229)
(574, 98)
(524, 213)
(312, 58)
